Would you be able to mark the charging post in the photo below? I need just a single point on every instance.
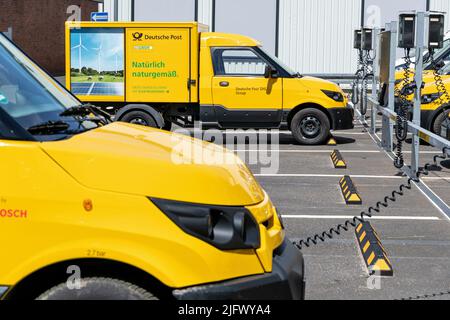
(376, 77)
(428, 29)
(419, 30)
(367, 45)
(387, 126)
(365, 42)
(418, 78)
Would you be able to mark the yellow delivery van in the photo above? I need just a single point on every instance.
(159, 74)
(76, 224)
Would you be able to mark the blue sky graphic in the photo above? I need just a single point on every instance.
(112, 41)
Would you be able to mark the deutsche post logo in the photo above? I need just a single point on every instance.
(137, 36)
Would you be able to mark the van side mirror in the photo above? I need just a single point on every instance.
(270, 73)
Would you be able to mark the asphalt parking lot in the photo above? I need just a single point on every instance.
(305, 190)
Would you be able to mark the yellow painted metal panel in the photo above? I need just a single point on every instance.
(256, 93)
(157, 64)
(124, 225)
(102, 98)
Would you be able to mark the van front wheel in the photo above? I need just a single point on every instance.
(139, 117)
(310, 127)
(97, 289)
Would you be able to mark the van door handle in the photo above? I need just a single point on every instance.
(224, 84)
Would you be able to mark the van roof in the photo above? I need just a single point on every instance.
(211, 39)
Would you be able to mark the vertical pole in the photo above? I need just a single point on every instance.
(375, 70)
(196, 10)
(420, 47)
(388, 127)
(116, 10)
(213, 18)
(277, 27)
(363, 13)
(365, 61)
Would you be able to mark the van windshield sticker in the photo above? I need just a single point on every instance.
(3, 99)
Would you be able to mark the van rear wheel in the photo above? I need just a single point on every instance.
(310, 127)
(139, 117)
(437, 124)
(98, 289)
(167, 125)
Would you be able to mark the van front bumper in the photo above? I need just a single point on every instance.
(342, 118)
(285, 282)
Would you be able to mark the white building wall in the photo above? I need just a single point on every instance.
(253, 18)
(123, 9)
(205, 12)
(316, 36)
(444, 6)
(164, 10)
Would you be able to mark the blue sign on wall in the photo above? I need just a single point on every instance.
(99, 16)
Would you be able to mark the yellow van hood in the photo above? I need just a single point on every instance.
(138, 160)
(321, 84)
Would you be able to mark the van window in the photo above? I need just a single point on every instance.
(238, 62)
(21, 96)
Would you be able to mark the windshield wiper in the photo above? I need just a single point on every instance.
(48, 128)
(298, 75)
(85, 110)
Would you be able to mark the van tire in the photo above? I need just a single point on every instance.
(437, 123)
(167, 125)
(310, 127)
(139, 117)
(98, 289)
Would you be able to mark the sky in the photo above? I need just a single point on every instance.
(112, 41)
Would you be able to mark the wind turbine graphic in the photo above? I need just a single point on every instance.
(80, 46)
(99, 55)
(116, 55)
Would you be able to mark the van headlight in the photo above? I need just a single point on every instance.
(429, 98)
(336, 96)
(226, 228)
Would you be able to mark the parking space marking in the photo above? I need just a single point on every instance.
(312, 175)
(348, 133)
(400, 242)
(331, 217)
(323, 151)
(308, 151)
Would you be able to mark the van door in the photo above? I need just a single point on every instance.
(242, 96)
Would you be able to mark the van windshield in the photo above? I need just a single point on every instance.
(280, 63)
(30, 97)
(445, 70)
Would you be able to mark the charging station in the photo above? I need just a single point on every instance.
(422, 31)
